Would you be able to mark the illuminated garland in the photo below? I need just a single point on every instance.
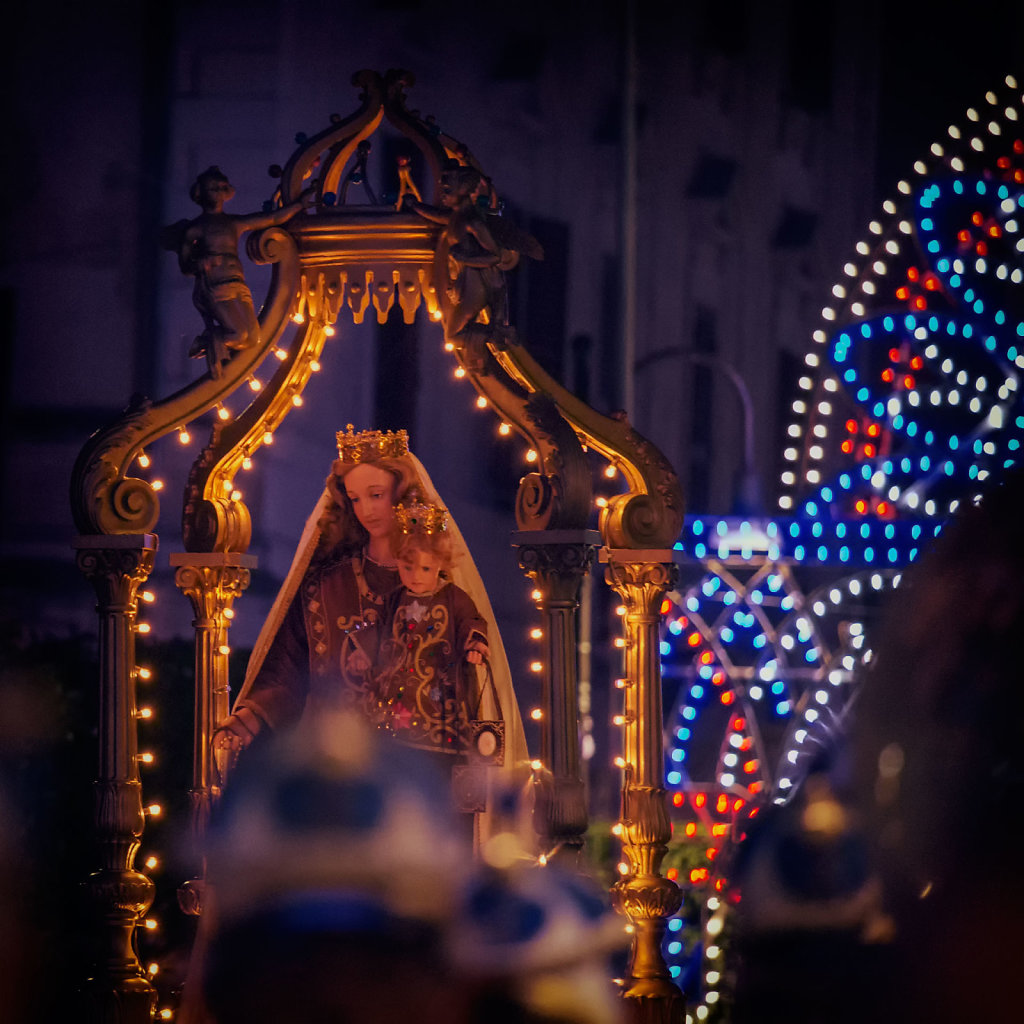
(910, 403)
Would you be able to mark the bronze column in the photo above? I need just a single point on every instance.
(211, 582)
(117, 989)
(641, 579)
(557, 561)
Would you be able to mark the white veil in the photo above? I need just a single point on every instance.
(464, 574)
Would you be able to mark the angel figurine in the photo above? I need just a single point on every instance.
(477, 248)
(207, 249)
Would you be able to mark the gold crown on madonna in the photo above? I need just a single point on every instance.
(371, 445)
(420, 517)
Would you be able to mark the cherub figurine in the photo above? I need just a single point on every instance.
(479, 248)
(207, 249)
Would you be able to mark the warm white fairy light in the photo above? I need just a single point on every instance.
(280, 354)
(184, 437)
(504, 429)
(329, 330)
(157, 485)
(481, 402)
(536, 714)
(460, 372)
(223, 413)
(268, 437)
(296, 400)
(298, 318)
(254, 383)
(144, 673)
(144, 460)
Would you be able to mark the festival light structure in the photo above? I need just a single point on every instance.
(909, 404)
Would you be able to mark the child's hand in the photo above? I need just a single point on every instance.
(357, 663)
(476, 651)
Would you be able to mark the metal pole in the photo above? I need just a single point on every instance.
(629, 246)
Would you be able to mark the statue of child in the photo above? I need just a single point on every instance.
(431, 627)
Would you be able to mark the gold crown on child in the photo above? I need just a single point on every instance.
(421, 517)
(371, 445)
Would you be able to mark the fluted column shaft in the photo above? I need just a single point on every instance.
(211, 582)
(557, 561)
(117, 991)
(641, 579)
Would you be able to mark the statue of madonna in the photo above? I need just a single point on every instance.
(316, 649)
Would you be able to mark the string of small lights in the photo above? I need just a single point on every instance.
(909, 403)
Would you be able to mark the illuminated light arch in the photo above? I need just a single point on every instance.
(909, 403)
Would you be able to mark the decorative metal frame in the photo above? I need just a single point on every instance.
(338, 255)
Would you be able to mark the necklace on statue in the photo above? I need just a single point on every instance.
(389, 564)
